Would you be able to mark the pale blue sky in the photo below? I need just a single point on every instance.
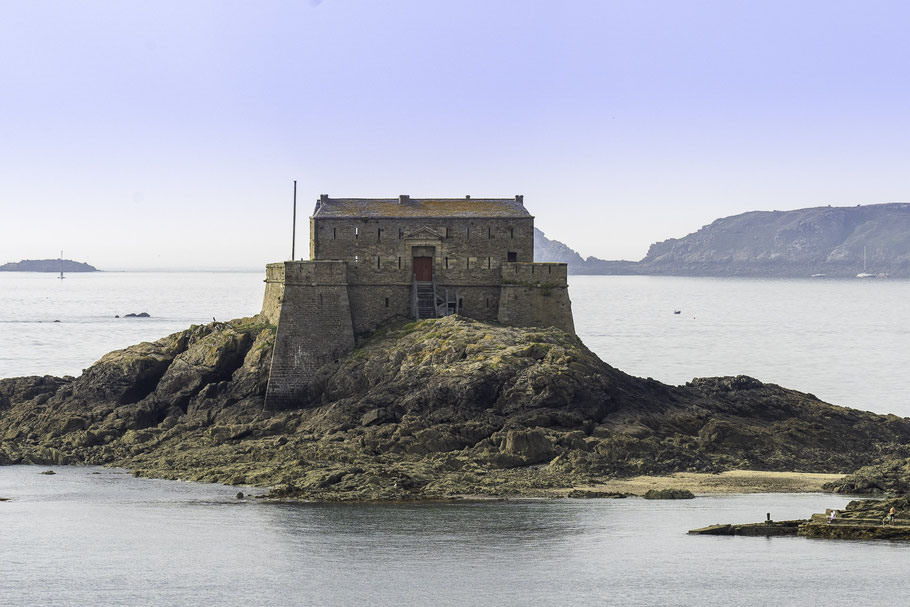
(167, 134)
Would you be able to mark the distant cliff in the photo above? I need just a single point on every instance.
(830, 241)
(553, 251)
(820, 240)
(47, 265)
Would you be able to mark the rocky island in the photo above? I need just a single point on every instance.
(47, 265)
(438, 408)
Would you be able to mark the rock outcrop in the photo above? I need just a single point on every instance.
(668, 494)
(891, 476)
(863, 520)
(439, 408)
(869, 518)
(859, 520)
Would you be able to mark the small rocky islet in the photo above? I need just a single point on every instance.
(47, 265)
(436, 409)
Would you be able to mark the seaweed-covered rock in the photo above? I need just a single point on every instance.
(438, 408)
(668, 494)
(892, 475)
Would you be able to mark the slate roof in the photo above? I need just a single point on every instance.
(420, 207)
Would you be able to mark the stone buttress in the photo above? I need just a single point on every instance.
(308, 300)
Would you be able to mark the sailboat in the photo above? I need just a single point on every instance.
(864, 274)
(61, 277)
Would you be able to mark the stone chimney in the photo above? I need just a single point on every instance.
(520, 199)
(403, 199)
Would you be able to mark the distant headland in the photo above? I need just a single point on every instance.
(834, 242)
(47, 265)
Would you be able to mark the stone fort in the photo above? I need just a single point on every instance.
(374, 259)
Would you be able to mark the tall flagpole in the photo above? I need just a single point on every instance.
(294, 223)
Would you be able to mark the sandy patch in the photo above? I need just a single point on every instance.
(734, 481)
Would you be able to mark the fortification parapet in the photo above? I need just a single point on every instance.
(535, 295)
(533, 273)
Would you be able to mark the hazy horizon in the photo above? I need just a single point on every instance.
(305, 236)
(168, 135)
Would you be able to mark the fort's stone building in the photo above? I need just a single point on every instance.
(374, 259)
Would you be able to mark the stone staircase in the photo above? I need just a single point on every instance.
(426, 300)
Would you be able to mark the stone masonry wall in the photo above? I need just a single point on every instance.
(274, 291)
(535, 295)
(314, 327)
(468, 254)
(372, 305)
(467, 251)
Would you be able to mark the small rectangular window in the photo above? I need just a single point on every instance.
(377, 261)
(387, 302)
(489, 262)
(489, 232)
(378, 234)
(447, 263)
(447, 232)
(356, 232)
(399, 263)
(511, 232)
(512, 256)
(488, 302)
(469, 231)
(549, 269)
(334, 233)
(400, 234)
(532, 269)
(468, 263)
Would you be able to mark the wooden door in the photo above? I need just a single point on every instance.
(423, 269)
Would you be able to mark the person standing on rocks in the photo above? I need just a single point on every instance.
(891, 514)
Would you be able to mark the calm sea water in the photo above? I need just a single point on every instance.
(101, 537)
(845, 341)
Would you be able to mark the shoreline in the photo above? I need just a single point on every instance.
(700, 483)
(731, 481)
